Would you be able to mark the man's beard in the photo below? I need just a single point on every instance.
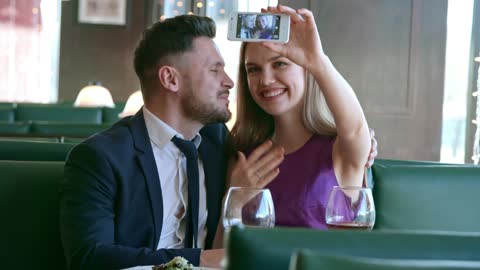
(203, 112)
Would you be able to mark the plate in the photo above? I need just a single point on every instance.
(149, 267)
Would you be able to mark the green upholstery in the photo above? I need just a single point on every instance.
(308, 260)
(31, 150)
(429, 197)
(110, 115)
(17, 128)
(29, 202)
(259, 248)
(58, 113)
(30, 139)
(74, 140)
(397, 162)
(7, 115)
(8, 105)
(66, 129)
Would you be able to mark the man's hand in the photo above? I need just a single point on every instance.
(373, 150)
(212, 258)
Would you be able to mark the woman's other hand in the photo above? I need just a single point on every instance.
(373, 149)
(259, 169)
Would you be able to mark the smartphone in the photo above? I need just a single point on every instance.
(256, 27)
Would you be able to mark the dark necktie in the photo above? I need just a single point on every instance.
(190, 151)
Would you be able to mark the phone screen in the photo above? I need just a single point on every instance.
(258, 26)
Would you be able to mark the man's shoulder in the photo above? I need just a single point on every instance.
(115, 139)
(118, 133)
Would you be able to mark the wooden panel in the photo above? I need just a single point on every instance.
(366, 34)
(393, 54)
(100, 53)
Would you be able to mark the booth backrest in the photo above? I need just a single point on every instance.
(400, 162)
(428, 197)
(110, 115)
(259, 248)
(310, 260)
(34, 150)
(29, 203)
(7, 115)
(57, 120)
(58, 113)
(50, 129)
(66, 129)
(18, 128)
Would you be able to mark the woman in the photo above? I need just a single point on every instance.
(292, 95)
(262, 27)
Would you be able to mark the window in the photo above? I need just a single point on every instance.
(29, 50)
(457, 63)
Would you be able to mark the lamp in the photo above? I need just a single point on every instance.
(94, 95)
(134, 103)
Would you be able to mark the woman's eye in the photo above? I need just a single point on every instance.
(252, 70)
(279, 64)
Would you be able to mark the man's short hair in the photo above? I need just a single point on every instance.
(167, 38)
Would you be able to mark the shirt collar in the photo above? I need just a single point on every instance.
(161, 133)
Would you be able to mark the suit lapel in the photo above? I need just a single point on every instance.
(214, 167)
(148, 166)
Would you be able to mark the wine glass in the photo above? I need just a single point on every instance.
(350, 208)
(248, 206)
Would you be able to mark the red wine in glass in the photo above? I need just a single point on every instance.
(355, 226)
(350, 208)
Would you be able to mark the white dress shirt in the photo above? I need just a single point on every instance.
(172, 171)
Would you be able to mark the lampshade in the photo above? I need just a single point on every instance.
(134, 103)
(94, 95)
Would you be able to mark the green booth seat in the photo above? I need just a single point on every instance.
(74, 140)
(7, 115)
(57, 113)
(398, 162)
(34, 150)
(8, 105)
(110, 115)
(66, 129)
(30, 139)
(29, 203)
(15, 128)
(429, 197)
(310, 260)
(260, 248)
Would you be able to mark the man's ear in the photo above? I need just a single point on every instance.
(169, 78)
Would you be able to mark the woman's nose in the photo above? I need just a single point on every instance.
(267, 78)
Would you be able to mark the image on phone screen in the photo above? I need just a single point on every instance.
(258, 26)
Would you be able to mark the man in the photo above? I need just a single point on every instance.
(248, 26)
(124, 200)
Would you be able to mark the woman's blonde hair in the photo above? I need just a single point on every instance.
(254, 126)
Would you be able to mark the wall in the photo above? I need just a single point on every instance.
(393, 55)
(100, 53)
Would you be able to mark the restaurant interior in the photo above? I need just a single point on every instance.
(66, 73)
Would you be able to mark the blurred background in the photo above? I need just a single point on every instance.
(411, 63)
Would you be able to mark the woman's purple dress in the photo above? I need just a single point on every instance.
(300, 192)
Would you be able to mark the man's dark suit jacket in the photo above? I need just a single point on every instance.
(111, 208)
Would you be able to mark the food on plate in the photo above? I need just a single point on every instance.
(177, 263)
